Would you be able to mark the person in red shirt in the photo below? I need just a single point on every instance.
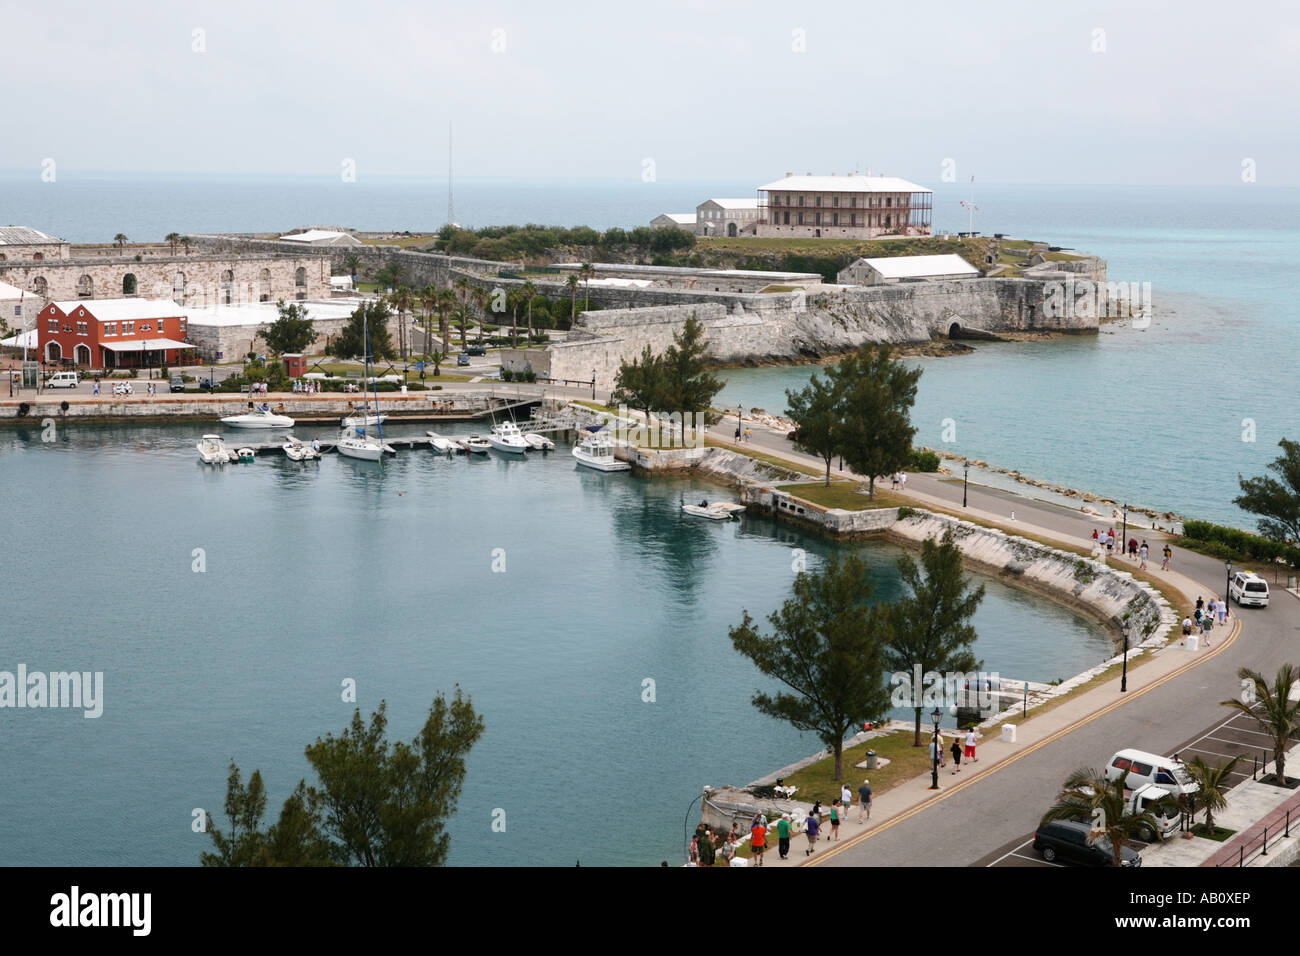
(758, 839)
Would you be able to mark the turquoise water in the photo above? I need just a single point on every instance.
(316, 573)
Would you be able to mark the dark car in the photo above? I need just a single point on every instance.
(1067, 841)
(476, 350)
(462, 358)
(177, 384)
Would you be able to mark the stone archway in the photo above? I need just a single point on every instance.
(38, 256)
(731, 229)
(40, 286)
(954, 330)
(81, 355)
(128, 284)
(53, 352)
(178, 288)
(85, 287)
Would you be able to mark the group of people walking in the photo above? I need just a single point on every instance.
(963, 745)
(1109, 541)
(1204, 617)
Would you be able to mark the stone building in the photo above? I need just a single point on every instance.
(222, 333)
(19, 309)
(23, 244)
(906, 269)
(843, 207)
(323, 237)
(198, 279)
(674, 220)
(726, 217)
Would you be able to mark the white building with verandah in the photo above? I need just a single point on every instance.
(323, 237)
(843, 207)
(879, 271)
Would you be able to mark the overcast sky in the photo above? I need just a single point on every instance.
(1018, 92)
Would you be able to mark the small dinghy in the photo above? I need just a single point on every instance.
(538, 442)
(213, 451)
(718, 511)
(246, 455)
(298, 450)
(475, 445)
(444, 445)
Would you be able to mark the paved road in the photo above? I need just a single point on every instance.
(979, 821)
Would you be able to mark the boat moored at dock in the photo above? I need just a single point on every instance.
(213, 451)
(261, 417)
(596, 451)
(507, 439)
(718, 511)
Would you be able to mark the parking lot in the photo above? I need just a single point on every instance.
(1236, 735)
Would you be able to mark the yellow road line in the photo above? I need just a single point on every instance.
(971, 781)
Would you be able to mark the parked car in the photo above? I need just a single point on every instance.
(63, 380)
(1247, 587)
(177, 384)
(1146, 769)
(476, 350)
(1069, 842)
(462, 358)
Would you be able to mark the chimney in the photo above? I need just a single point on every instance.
(788, 175)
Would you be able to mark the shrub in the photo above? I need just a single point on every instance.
(924, 460)
(1221, 541)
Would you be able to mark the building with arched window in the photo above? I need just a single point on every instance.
(24, 244)
(114, 333)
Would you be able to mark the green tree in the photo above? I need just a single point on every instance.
(639, 383)
(445, 305)
(687, 384)
(1212, 785)
(387, 804)
(930, 628)
(1277, 502)
(120, 239)
(292, 331)
(464, 315)
(827, 650)
(529, 291)
(171, 239)
(1273, 709)
(572, 283)
(815, 410)
(587, 272)
(401, 300)
(876, 398)
(186, 242)
(351, 341)
(351, 262)
(1087, 796)
(294, 840)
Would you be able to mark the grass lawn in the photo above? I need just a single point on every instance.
(1061, 257)
(1218, 836)
(843, 494)
(404, 241)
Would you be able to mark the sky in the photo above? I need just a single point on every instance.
(1020, 92)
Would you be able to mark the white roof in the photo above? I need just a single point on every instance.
(139, 345)
(263, 313)
(22, 340)
(911, 267)
(313, 235)
(622, 283)
(8, 291)
(845, 184)
(733, 203)
(116, 310)
(682, 218)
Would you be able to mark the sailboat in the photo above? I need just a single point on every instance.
(355, 441)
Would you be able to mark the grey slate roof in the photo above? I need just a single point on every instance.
(24, 236)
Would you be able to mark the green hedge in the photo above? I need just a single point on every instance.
(1221, 541)
(924, 460)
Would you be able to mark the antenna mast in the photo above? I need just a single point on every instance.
(451, 210)
(971, 208)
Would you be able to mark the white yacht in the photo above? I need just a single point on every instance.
(355, 443)
(261, 417)
(213, 451)
(508, 439)
(596, 451)
(364, 416)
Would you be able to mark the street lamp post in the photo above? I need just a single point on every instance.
(965, 477)
(740, 422)
(1227, 584)
(934, 750)
(593, 384)
(1123, 535)
(1123, 681)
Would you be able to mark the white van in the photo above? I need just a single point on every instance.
(1247, 587)
(1146, 769)
(63, 380)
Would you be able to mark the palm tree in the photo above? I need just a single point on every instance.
(428, 301)
(186, 242)
(572, 283)
(1212, 782)
(1089, 797)
(400, 300)
(1272, 708)
(480, 297)
(530, 292)
(120, 239)
(445, 304)
(588, 272)
(172, 238)
(464, 314)
(351, 262)
(514, 299)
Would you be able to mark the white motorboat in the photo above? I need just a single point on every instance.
(364, 417)
(718, 511)
(474, 445)
(258, 418)
(213, 451)
(297, 450)
(444, 445)
(538, 442)
(355, 443)
(246, 455)
(508, 439)
(596, 451)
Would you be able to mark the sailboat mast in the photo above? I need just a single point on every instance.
(370, 363)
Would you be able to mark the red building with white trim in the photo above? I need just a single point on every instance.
(114, 333)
